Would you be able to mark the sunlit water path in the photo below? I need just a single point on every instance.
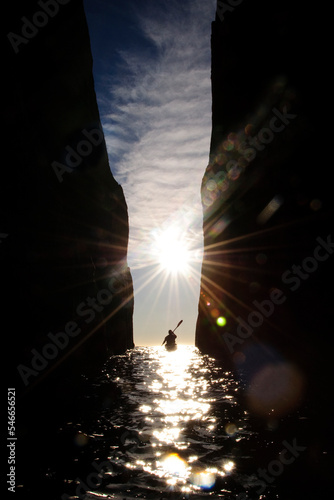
(163, 424)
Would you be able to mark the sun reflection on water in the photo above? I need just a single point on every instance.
(182, 426)
(181, 401)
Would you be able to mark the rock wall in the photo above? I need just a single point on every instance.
(67, 289)
(267, 202)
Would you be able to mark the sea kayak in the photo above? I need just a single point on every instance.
(171, 347)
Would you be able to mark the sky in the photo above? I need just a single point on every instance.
(151, 68)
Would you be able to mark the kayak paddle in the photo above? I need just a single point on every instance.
(179, 323)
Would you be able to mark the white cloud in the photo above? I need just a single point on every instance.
(159, 124)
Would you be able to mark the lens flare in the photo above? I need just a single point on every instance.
(204, 480)
(221, 321)
(276, 389)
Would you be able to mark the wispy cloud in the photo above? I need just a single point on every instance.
(158, 123)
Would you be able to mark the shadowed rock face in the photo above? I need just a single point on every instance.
(68, 292)
(266, 200)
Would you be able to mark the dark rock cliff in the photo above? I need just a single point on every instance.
(267, 198)
(67, 290)
(266, 193)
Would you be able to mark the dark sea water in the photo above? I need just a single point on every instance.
(179, 425)
(160, 425)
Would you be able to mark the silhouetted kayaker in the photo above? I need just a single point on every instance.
(169, 339)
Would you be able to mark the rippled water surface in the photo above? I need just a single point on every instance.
(165, 425)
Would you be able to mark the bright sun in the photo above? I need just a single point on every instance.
(172, 251)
